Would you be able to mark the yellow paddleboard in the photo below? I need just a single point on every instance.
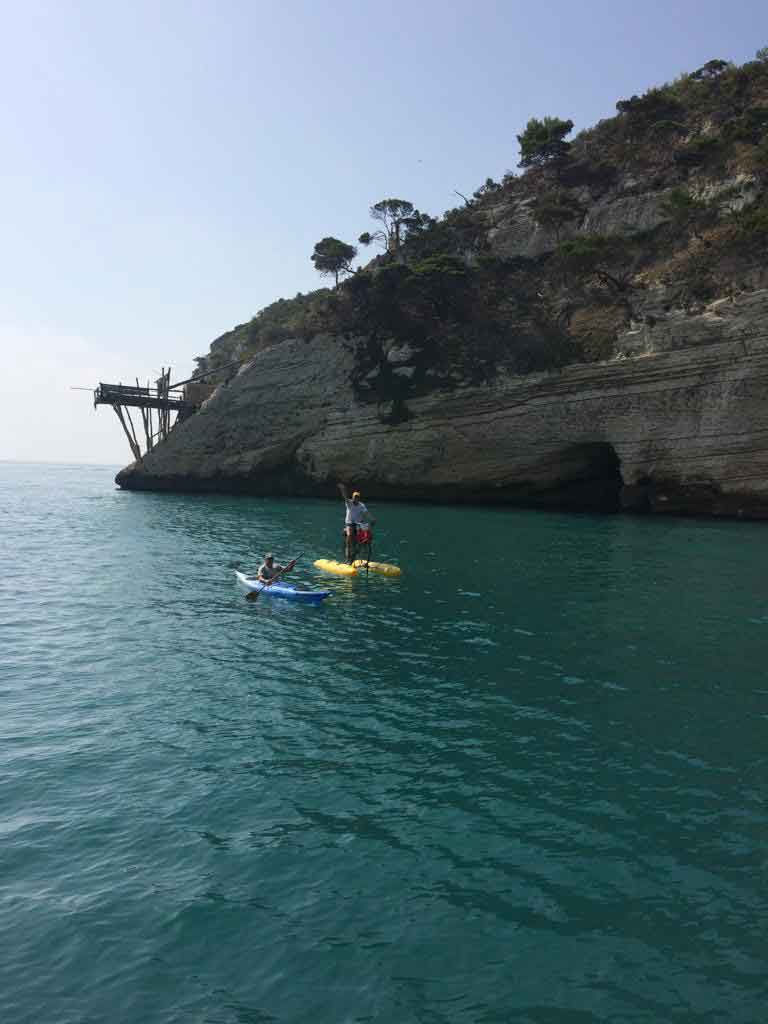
(339, 568)
(383, 567)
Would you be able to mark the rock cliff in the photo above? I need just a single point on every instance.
(679, 424)
(590, 334)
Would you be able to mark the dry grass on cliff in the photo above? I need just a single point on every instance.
(596, 328)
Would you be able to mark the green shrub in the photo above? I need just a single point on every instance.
(640, 112)
(543, 142)
(752, 223)
(554, 210)
(751, 127)
(700, 151)
(712, 69)
(685, 211)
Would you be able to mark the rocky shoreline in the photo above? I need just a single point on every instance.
(677, 424)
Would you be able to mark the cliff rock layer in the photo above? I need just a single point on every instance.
(677, 424)
(588, 334)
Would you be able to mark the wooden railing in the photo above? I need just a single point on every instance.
(147, 398)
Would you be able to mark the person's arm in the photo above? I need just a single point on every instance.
(280, 570)
(343, 490)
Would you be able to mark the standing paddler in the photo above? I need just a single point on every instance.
(356, 520)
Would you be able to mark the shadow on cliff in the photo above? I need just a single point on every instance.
(579, 478)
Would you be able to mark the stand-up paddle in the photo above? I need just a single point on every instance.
(253, 595)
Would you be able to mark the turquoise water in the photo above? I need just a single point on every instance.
(524, 782)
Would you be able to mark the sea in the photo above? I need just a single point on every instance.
(523, 782)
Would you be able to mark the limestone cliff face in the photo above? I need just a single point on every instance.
(677, 423)
(513, 230)
(628, 206)
(592, 333)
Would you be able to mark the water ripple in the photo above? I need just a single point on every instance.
(527, 790)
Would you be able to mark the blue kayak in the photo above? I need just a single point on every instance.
(284, 590)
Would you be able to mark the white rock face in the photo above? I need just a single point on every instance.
(680, 424)
(514, 232)
(625, 215)
(732, 194)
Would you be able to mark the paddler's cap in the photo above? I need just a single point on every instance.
(355, 494)
(268, 556)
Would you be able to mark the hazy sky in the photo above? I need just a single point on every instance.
(168, 166)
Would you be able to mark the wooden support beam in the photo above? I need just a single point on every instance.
(161, 410)
(131, 441)
(133, 431)
(167, 411)
(150, 432)
(123, 398)
(144, 421)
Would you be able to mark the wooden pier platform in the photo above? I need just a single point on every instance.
(156, 404)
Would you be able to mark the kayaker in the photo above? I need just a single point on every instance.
(269, 569)
(355, 520)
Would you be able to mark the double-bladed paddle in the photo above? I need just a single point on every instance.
(253, 595)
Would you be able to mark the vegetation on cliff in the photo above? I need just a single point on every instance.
(333, 257)
(669, 197)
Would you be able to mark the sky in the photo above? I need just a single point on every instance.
(168, 166)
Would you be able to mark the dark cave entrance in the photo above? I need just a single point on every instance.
(589, 479)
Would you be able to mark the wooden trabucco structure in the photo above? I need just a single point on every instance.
(155, 404)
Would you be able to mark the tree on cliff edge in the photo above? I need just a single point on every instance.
(333, 257)
(554, 210)
(543, 144)
(397, 217)
(685, 211)
(612, 260)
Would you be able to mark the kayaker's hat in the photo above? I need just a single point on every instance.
(355, 494)
(269, 556)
